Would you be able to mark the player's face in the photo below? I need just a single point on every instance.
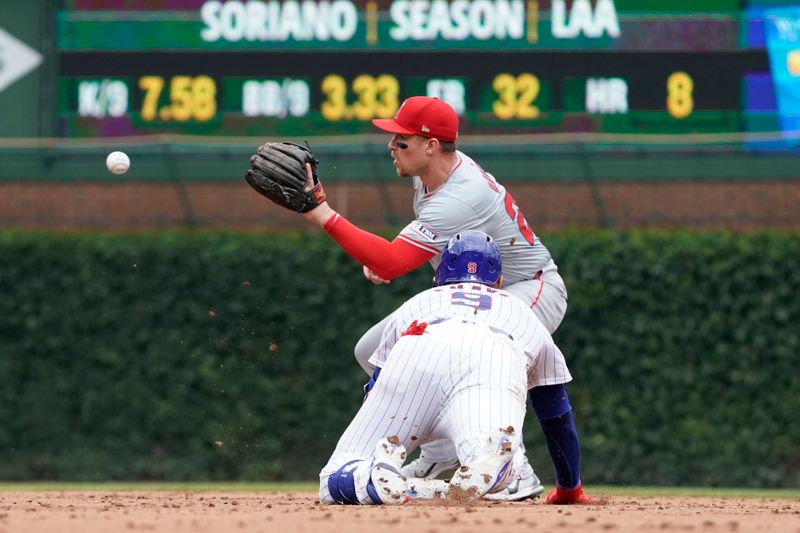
(408, 154)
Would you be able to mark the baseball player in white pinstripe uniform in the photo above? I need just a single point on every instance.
(451, 193)
(454, 363)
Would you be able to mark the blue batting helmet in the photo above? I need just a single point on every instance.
(469, 256)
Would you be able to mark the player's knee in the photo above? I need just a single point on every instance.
(360, 351)
(367, 345)
(363, 351)
(324, 492)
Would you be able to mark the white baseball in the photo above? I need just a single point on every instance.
(118, 162)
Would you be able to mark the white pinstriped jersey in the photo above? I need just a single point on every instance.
(493, 310)
(472, 199)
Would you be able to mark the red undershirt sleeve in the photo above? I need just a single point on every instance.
(387, 259)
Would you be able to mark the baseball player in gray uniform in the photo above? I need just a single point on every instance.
(451, 193)
(454, 363)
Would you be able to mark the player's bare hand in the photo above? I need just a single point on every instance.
(310, 177)
(373, 277)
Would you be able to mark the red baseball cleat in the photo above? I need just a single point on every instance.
(559, 496)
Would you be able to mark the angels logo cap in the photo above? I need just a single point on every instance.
(422, 115)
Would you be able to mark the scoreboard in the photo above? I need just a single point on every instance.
(326, 67)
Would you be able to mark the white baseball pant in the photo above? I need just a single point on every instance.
(458, 382)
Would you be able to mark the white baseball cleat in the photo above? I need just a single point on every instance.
(390, 485)
(389, 450)
(423, 468)
(491, 470)
(394, 488)
(436, 458)
(526, 484)
(427, 489)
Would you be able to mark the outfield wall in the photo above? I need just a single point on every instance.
(588, 181)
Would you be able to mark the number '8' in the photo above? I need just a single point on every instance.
(680, 102)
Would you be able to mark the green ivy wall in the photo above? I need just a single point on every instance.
(221, 356)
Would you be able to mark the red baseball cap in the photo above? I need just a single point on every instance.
(422, 115)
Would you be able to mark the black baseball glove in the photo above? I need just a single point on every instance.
(278, 171)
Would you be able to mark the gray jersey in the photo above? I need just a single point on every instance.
(472, 199)
(494, 310)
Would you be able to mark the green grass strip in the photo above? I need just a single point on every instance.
(597, 490)
(161, 486)
(706, 492)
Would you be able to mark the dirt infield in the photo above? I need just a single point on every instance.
(245, 512)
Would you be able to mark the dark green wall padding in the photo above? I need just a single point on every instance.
(521, 158)
(224, 356)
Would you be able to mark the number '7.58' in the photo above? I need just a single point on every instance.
(190, 98)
